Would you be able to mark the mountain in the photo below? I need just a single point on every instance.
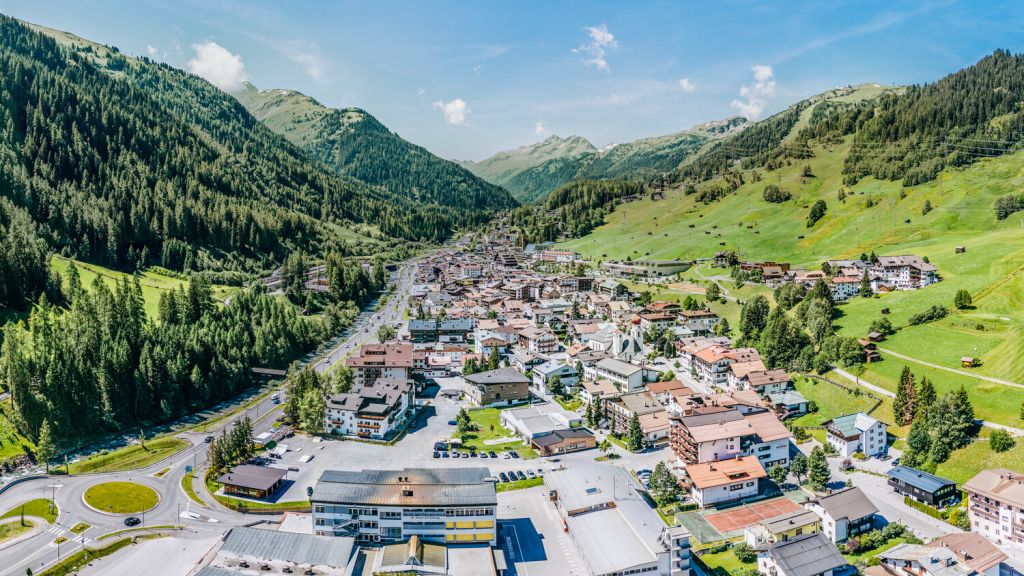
(121, 161)
(357, 145)
(530, 173)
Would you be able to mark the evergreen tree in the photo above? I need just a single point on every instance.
(44, 445)
(798, 466)
(865, 286)
(904, 403)
(635, 435)
(925, 396)
(818, 473)
(713, 292)
(962, 299)
(753, 318)
(555, 386)
(663, 484)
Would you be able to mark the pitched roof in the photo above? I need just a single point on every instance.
(850, 503)
(923, 480)
(251, 476)
(767, 426)
(807, 556)
(999, 483)
(712, 474)
(556, 436)
(506, 375)
(972, 549)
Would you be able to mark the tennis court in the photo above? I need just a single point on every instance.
(750, 514)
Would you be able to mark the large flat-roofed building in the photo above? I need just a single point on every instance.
(613, 526)
(645, 268)
(251, 550)
(625, 376)
(453, 505)
(370, 411)
(446, 330)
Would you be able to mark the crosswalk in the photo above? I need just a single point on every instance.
(59, 531)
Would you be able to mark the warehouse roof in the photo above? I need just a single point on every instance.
(408, 487)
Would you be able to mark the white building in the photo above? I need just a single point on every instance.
(373, 411)
(995, 500)
(811, 555)
(844, 513)
(844, 287)
(454, 505)
(548, 371)
(628, 378)
(905, 272)
(724, 480)
(856, 433)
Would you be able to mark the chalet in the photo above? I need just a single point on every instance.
(809, 555)
(370, 410)
(844, 514)
(844, 287)
(921, 560)
(767, 382)
(538, 340)
(546, 373)
(923, 487)
(658, 321)
(393, 360)
(905, 272)
(856, 433)
(700, 321)
(739, 372)
(977, 552)
(724, 481)
(782, 528)
(621, 409)
(787, 404)
(612, 289)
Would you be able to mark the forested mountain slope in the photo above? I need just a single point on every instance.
(532, 172)
(356, 144)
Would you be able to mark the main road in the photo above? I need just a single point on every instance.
(38, 549)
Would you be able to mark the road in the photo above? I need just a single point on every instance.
(879, 390)
(175, 507)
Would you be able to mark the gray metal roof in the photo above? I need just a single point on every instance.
(850, 503)
(409, 487)
(923, 480)
(808, 556)
(251, 476)
(506, 375)
(289, 546)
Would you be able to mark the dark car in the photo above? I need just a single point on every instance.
(444, 454)
(520, 475)
(503, 476)
(514, 454)
(437, 454)
(492, 454)
(452, 423)
(472, 453)
(132, 521)
(440, 446)
(208, 439)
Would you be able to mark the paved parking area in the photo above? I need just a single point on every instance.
(532, 536)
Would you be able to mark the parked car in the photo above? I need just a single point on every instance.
(208, 439)
(540, 472)
(492, 454)
(520, 475)
(441, 446)
(483, 454)
(514, 454)
(472, 453)
(503, 476)
(531, 474)
(452, 423)
(309, 491)
(132, 521)
(437, 454)
(444, 454)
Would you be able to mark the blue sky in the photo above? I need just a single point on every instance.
(466, 79)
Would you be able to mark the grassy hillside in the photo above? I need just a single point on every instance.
(992, 268)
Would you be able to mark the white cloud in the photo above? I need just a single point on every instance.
(455, 112)
(686, 86)
(595, 49)
(151, 50)
(754, 97)
(540, 129)
(215, 63)
(314, 66)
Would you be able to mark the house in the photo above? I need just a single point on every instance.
(921, 560)
(975, 551)
(614, 528)
(370, 411)
(447, 330)
(844, 287)
(712, 363)
(657, 321)
(811, 555)
(995, 499)
(621, 409)
(905, 272)
(844, 513)
(664, 392)
(656, 427)
(787, 404)
(250, 481)
(504, 386)
(923, 487)
(628, 378)
(725, 480)
(538, 340)
(591, 390)
(612, 289)
(545, 373)
(700, 321)
(968, 362)
(739, 372)
(435, 504)
(525, 361)
(563, 441)
(723, 433)
(782, 528)
(856, 433)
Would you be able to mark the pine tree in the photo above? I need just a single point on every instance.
(865, 286)
(44, 445)
(798, 466)
(903, 404)
(664, 486)
(635, 435)
(925, 397)
(818, 473)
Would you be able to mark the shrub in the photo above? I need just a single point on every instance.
(858, 455)
(744, 553)
(772, 193)
(812, 406)
(1008, 204)
(1001, 441)
(936, 312)
(817, 213)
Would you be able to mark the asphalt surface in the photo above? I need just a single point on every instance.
(39, 551)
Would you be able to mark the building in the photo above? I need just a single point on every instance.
(977, 552)
(921, 560)
(995, 501)
(445, 330)
(393, 360)
(612, 289)
(905, 272)
(556, 256)
(726, 433)
(614, 528)
(922, 486)
(544, 374)
(711, 364)
(782, 528)
(700, 321)
(504, 386)
(454, 505)
(621, 409)
(856, 433)
(645, 268)
(811, 555)
(563, 441)
(724, 480)
(251, 550)
(533, 421)
(591, 390)
(372, 411)
(788, 403)
(656, 321)
(538, 340)
(844, 513)
(250, 481)
(844, 287)
(626, 377)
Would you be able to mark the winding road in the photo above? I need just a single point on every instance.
(39, 550)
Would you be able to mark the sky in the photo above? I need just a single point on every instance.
(469, 78)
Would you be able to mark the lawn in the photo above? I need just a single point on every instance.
(14, 528)
(213, 487)
(725, 563)
(12, 443)
(891, 223)
(40, 508)
(488, 421)
(832, 401)
(863, 556)
(80, 527)
(965, 463)
(130, 457)
(87, 556)
(518, 484)
(121, 497)
(188, 485)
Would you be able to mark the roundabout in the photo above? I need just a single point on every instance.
(121, 498)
